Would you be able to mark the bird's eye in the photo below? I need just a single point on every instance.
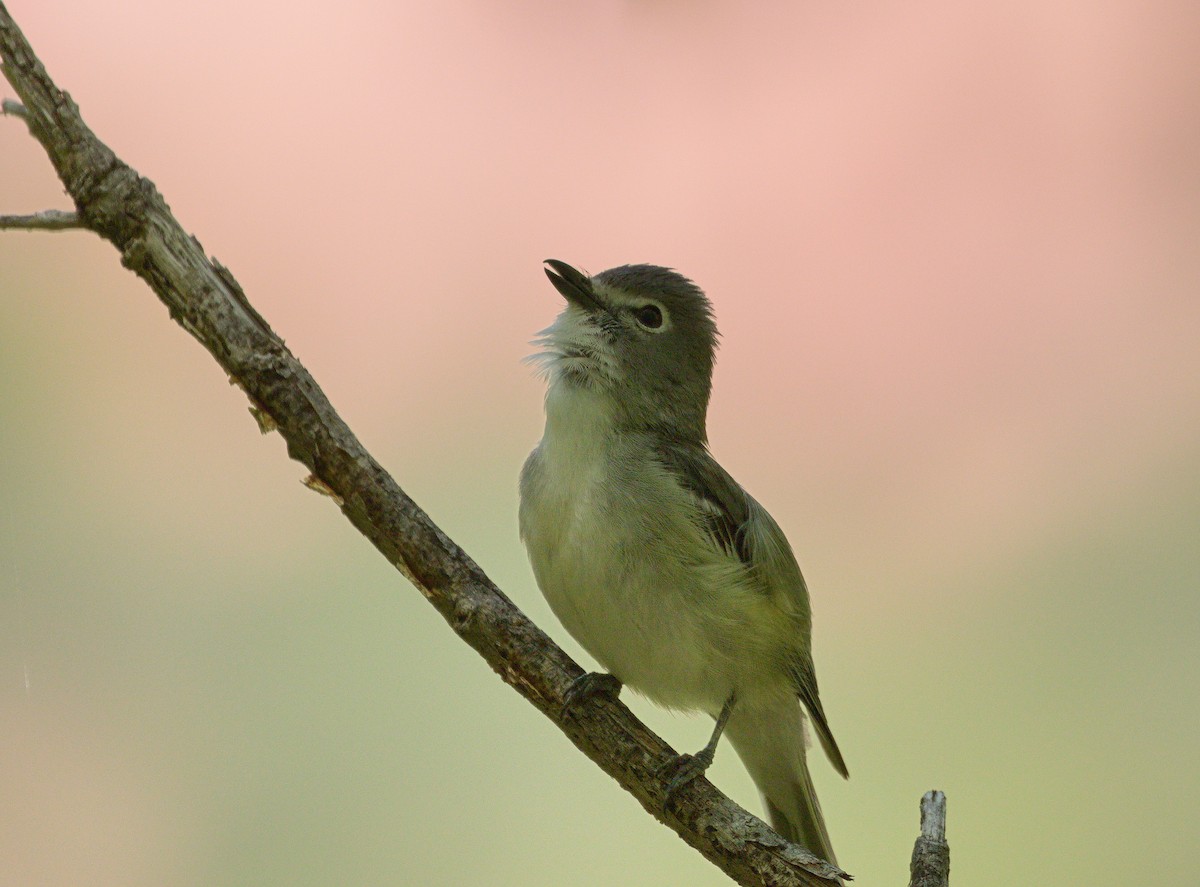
(649, 316)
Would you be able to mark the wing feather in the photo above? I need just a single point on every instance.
(743, 529)
(723, 505)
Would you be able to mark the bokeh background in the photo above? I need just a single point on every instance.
(953, 251)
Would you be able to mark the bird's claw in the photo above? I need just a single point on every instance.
(681, 770)
(588, 686)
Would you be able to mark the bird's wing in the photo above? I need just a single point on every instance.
(744, 529)
(723, 505)
(739, 525)
(806, 688)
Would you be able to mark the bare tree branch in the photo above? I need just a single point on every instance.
(46, 220)
(203, 297)
(931, 854)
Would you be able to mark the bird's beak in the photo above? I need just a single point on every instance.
(575, 286)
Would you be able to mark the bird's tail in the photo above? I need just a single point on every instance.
(770, 742)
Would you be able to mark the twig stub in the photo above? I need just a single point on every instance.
(930, 865)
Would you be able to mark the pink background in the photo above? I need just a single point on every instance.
(953, 252)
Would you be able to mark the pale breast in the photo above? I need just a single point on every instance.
(623, 566)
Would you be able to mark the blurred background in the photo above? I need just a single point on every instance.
(953, 253)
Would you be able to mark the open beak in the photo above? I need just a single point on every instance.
(575, 286)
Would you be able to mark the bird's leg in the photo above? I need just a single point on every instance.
(685, 768)
(587, 686)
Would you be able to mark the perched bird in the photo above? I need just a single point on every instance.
(666, 571)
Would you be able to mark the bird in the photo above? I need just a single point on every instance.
(670, 575)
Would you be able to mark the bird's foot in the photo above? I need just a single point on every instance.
(589, 686)
(681, 770)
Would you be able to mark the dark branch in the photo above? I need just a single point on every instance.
(127, 210)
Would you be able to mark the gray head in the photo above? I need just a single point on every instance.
(641, 333)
